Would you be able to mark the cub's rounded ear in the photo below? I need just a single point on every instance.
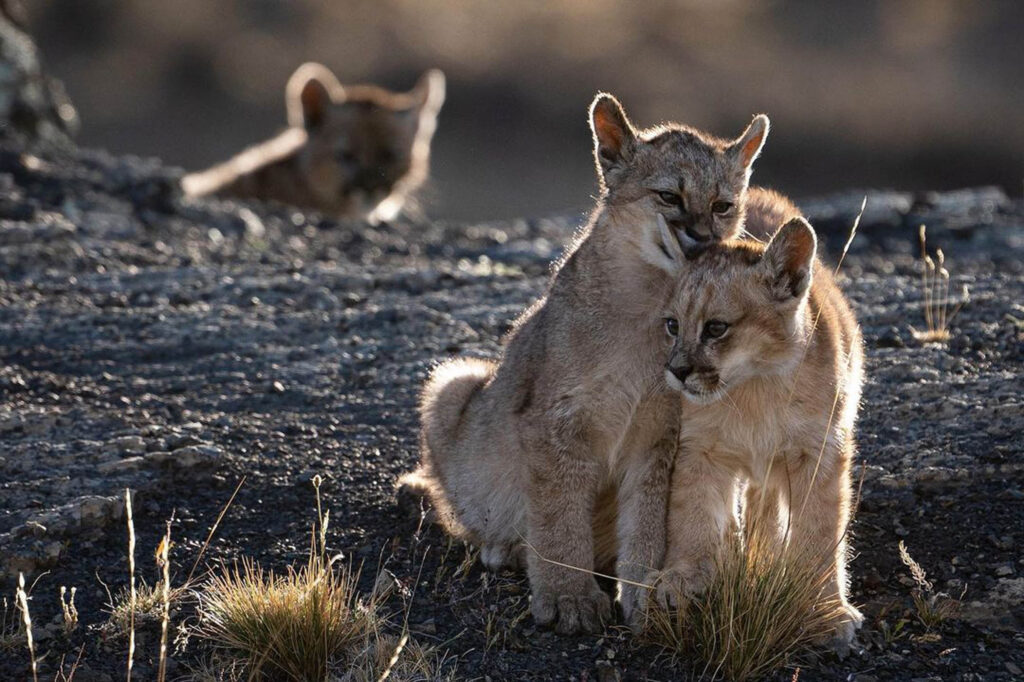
(429, 91)
(748, 146)
(789, 260)
(309, 94)
(614, 135)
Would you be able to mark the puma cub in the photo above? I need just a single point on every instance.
(568, 440)
(767, 354)
(349, 151)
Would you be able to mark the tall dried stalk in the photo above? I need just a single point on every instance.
(131, 574)
(164, 562)
(26, 619)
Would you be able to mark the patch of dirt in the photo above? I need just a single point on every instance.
(175, 347)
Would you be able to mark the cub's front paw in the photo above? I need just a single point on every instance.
(676, 586)
(634, 600)
(572, 613)
(846, 627)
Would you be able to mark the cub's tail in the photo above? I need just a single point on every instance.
(444, 400)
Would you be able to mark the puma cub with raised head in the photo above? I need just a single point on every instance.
(567, 441)
(768, 357)
(349, 151)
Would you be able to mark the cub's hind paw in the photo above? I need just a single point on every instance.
(498, 556)
(413, 497)
(572, 613)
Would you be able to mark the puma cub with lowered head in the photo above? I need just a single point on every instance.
(350, 151)
(768, 357)
(568, 441)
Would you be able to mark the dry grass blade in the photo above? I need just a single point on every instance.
(580, 569)
(26, 620)
(213, 529)
(853, 233)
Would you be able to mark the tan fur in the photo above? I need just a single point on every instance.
(770, 404)
(572, 434)
(349, 151)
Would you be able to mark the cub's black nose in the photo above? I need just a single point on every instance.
(681, 372)
(696, 236)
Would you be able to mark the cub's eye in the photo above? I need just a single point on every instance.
(715, 328)
(670, 198)
(672, 326)
(721, 207)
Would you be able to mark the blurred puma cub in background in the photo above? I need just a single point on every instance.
(569, 439)
(349, 151)
(768, 356)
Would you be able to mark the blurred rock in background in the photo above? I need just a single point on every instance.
(910, 94)
(33, 106)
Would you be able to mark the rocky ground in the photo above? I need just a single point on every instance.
(176, 348)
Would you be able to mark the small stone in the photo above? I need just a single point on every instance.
(890, 338)
(132, 444)
(278, 387)
(128, 464)
(188, 457)
(1013, 669)
(427, 627)
(604, 671)
(1004, 570)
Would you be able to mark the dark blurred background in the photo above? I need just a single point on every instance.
(923, 94)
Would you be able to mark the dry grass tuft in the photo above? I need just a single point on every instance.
(305, 624)
(933, 608)
(289, 626)
(149, 606)
(939, 310)
(762, 610)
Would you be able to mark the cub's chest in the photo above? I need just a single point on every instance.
(743, 439)
(623, 406)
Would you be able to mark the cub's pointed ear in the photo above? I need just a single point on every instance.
(614, 135)
(429, 91)
(789, 260)
(748, 146)
(309, 94)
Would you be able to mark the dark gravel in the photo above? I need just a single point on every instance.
(175, 348)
